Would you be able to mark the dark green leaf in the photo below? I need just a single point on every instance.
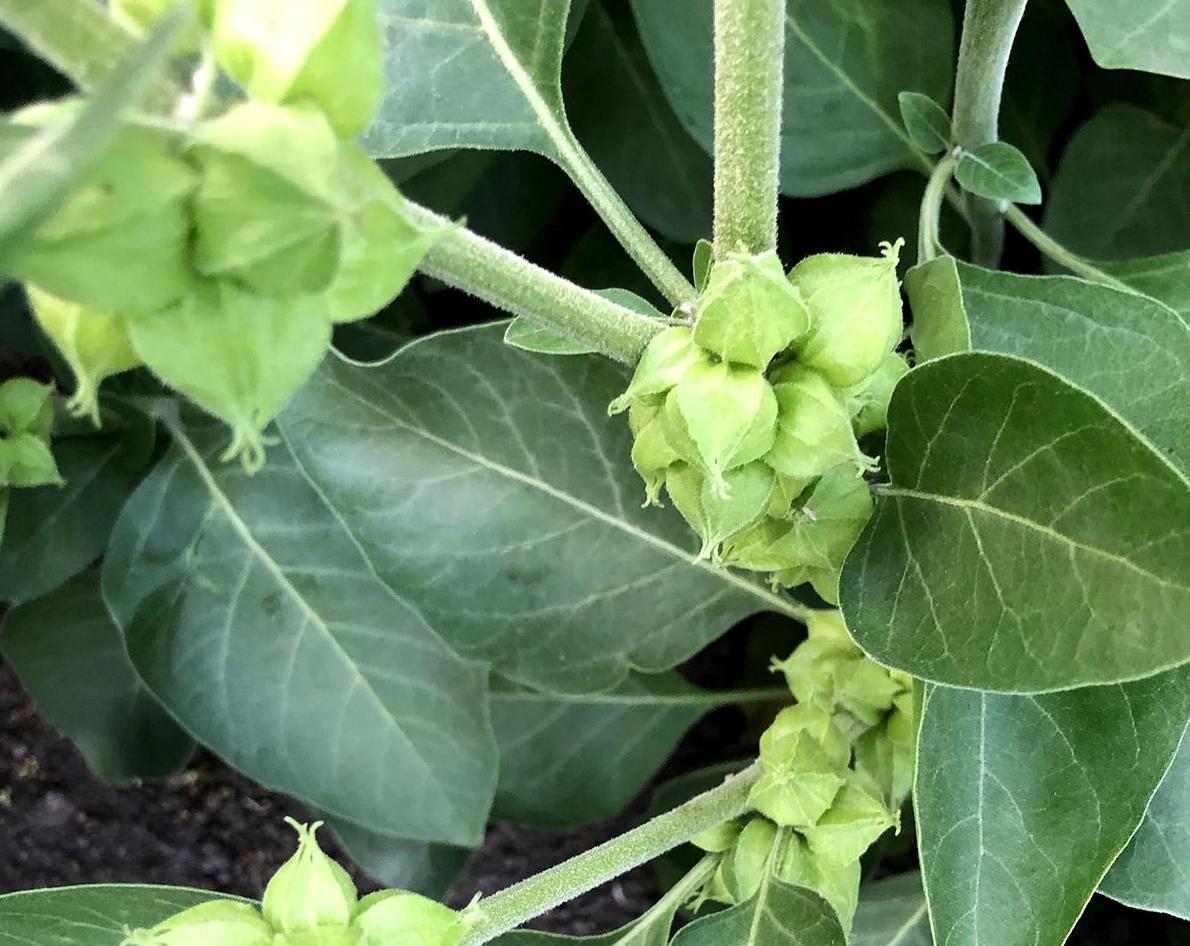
(530, 336)
(491, 492)
(845, 61)
(253, 614)
(70, 658)
(90, 916)
(428, 869)
(1165, 277)
(1123, 187)
(621, 116)
(779, 915)
(1023, 802)
(926, 121)
(1153, 35)
(999, 172)
(1031, 540)
(1151, 874)
(892, 912)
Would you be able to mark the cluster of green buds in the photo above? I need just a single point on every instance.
(220, 250)
(836, 768)
(750, 418)
(310, 901)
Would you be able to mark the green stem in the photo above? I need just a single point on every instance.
(486, 270)
(509, 908)
(749, 61)
(1058, 253)
(928, 241)
(81, 40)
(989, 28)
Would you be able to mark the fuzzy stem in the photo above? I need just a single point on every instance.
(749, 78)
(509, 908)
(1058, 253)
(989, 28)
(928, 242)
(486, 270)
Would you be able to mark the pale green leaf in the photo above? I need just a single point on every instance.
(252, 613)
(1023, 802)
(845, 62)
(1031, 540)
(999, 172)
(490, 490)
(70, 659)
(1153, 35)
(528, 335)
(926, 121)
(779, 915)
(1165, 277)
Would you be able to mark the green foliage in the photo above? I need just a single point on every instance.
(1000, 172)
(778, 914)
(1146, 34)
(926, 121)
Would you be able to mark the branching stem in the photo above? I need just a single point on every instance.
(1058, 253)
(928, 241)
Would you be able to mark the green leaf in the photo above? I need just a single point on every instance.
(1023, 802)
(1030, 541)
(527, 335)
(1123, 187)
(1165, 277)
(926, 121)
(779, 915)
(426, 869)
(91, 916)
(845, 62)
(1151, 873)
(70, 658)
(54, 532)
(892, 912)
(999, 172)
(620, 114)
(253, 614)
(490, 490)
(1130, 352)
(1153, 35)
(569, 760)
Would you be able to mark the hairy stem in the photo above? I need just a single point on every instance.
(749, 61)
(510, 908)
(989, 28)
(928, 241)
(486, 270)
(1058, 253)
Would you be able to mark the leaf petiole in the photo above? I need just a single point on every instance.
(1058, 253)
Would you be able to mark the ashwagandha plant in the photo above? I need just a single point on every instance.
(420, 592)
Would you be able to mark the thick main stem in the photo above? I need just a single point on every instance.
(486, 270)
(510, 908)
(989, 28)
(749, 77)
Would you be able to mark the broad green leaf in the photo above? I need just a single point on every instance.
(1131, 352)
(1123, 187)
(1153, 35)
(527, 335)
(621, 116)
(1023, 802)
(845, 63)
(427, 869)
(779, 915)
(1165, 277)
(999, 172)
(253, 614)
(892, 912)
(1151, 874)
(70, 659)
(90, 916)
(1030, 539)
(491, 492)
(926, 121)
(54, 532)
(576, 759)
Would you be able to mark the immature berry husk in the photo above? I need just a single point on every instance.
(803, 761)
(310, 891)
(838, 884)
(392, 917)
(214, 923)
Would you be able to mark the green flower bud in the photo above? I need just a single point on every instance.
(120, 242)
(326, 936)
(719, 839)
(94, 344)
(309, 891)
(665, 361)
(855, 312)
(266, 209)
(855, 819)
(865, 690)
(743, 869)
(26, 422)
(813, 428)
(804, 758)
(652, 456)
(783, 740)
(838, 884)
(397, 918)
(756, 442)
(752, 548)
(811, 671)
(867, 402)
(749, 311)
(786, 492)
(885, 754)
(222, 922)
(329, 54)
(237, 355)
(715, 516)
(720, 403)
